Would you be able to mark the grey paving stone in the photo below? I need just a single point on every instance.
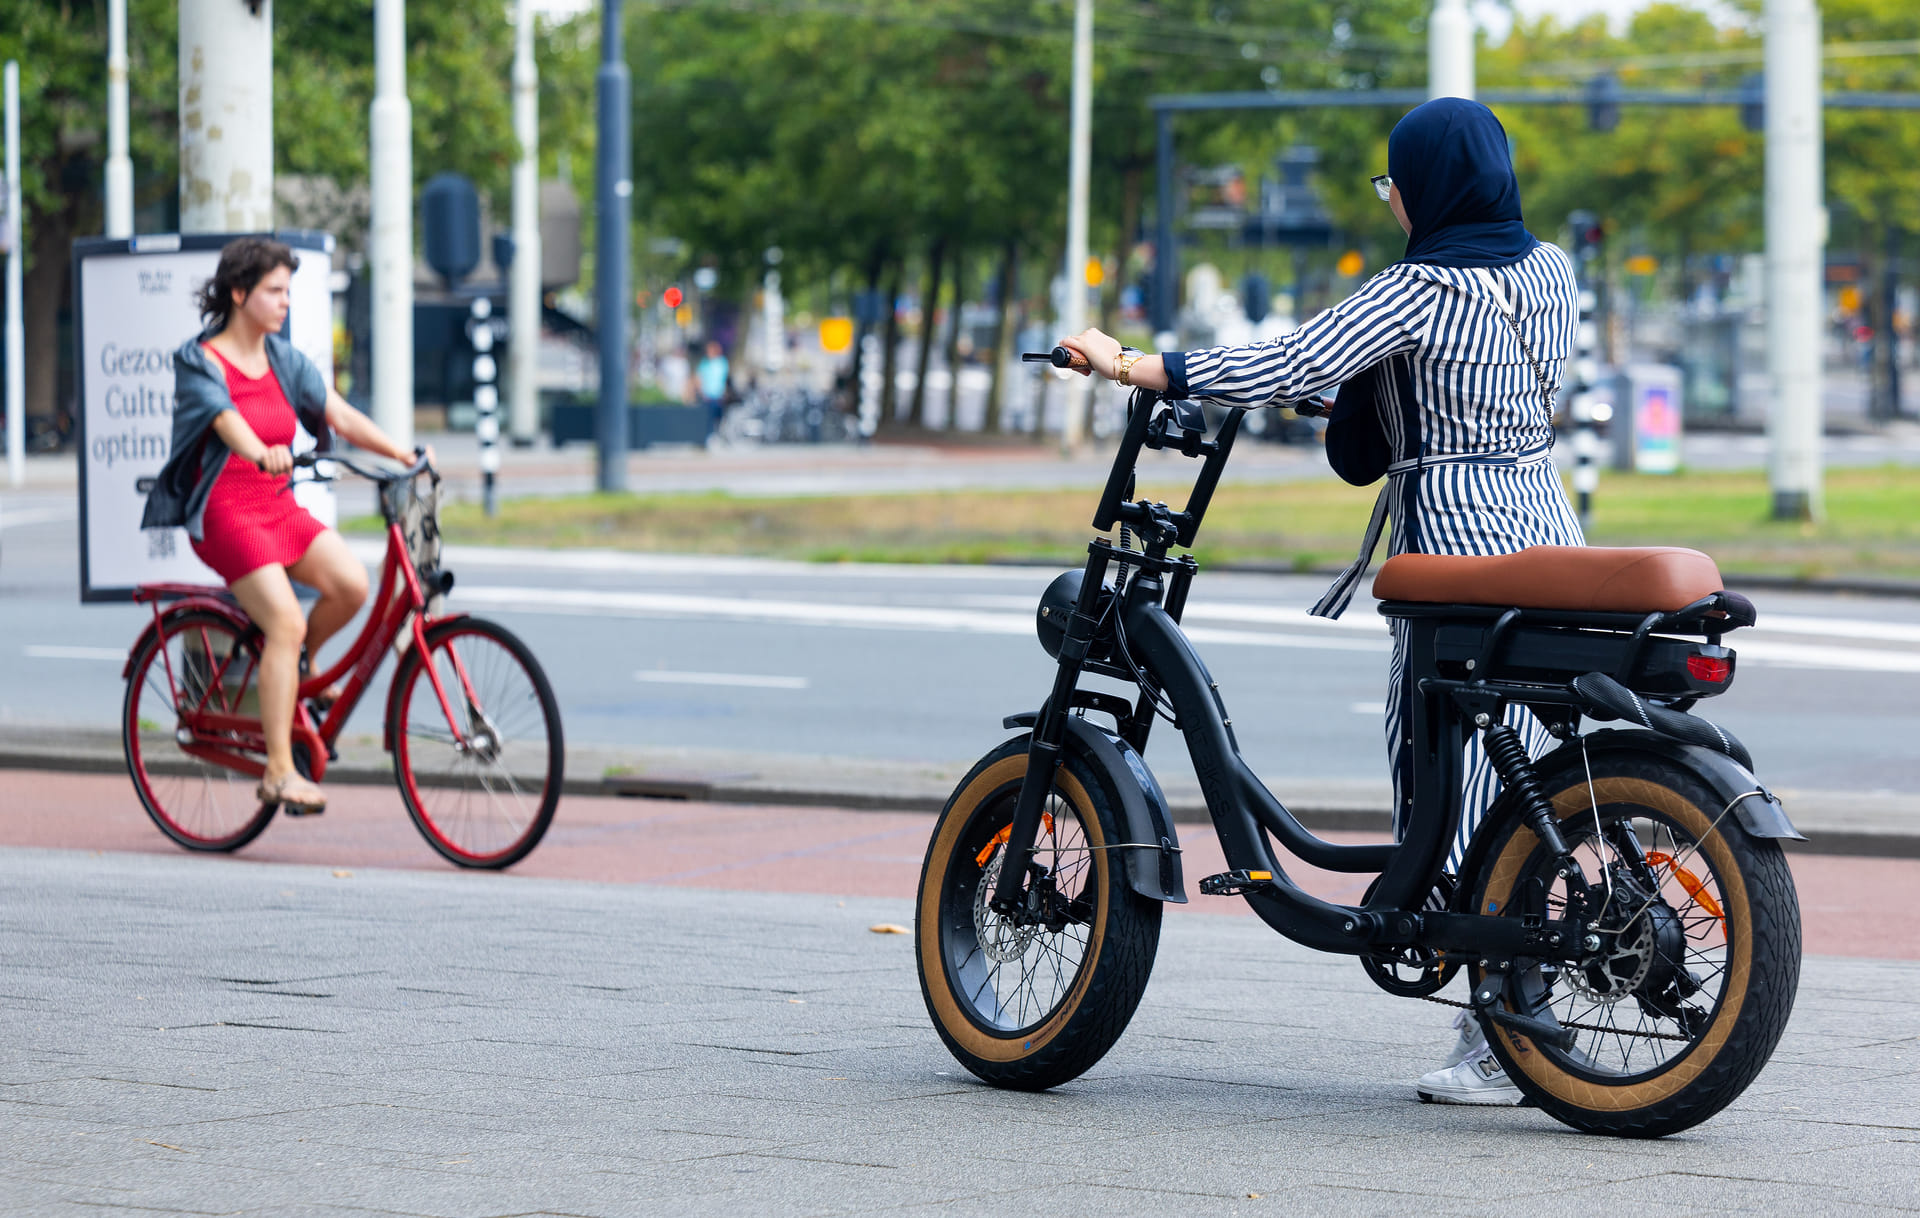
(184, 1036)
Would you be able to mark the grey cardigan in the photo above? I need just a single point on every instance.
(179, 495)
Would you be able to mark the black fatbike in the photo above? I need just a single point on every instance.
(1624, 914)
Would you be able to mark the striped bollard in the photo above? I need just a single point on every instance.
(1586, 411)
(486, 396)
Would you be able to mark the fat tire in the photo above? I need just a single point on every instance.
(1764, 915)
(1092, 1015)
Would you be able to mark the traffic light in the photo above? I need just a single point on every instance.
(672, 297)
(1587, 238)
(1603, 102)
(1753, 102)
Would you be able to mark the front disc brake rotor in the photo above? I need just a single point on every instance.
(1000, 940)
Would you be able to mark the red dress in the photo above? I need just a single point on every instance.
(251, 518)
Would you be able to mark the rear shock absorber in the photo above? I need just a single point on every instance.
(1509, 757)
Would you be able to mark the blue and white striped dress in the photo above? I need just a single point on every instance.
(1465, 416)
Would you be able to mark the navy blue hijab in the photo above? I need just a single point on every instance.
(1449, 158)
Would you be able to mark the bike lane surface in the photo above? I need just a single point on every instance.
(1844, 901)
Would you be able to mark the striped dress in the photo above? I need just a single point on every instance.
(1466, 418)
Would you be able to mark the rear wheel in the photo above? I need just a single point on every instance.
(485, 797)
(199, 664)
(1034, 1005)
(1699, 956)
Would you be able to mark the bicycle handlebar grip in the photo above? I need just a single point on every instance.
(1059, 357)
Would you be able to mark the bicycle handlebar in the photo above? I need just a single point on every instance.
(309, 460)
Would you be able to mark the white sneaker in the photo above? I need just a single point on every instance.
(1477, 1080)
(1471, 1040)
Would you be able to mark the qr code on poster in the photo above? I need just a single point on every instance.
(160, 543)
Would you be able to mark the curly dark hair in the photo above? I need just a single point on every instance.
(242, 265)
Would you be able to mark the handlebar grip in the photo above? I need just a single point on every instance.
(1059, 357)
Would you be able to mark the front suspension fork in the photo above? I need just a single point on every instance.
(1047, 742)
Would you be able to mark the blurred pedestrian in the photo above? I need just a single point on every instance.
(711, 378)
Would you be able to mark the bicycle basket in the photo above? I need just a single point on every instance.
(420, 525)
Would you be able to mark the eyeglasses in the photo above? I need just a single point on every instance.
(1382, 186)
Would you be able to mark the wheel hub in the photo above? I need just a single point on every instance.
(1641, 944)
(1001, 941)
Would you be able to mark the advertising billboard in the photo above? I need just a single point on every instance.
(133, 307)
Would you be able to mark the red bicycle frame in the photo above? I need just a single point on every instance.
(221, 735)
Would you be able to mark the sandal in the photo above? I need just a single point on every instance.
(295, 795)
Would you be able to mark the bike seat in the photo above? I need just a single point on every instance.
(1593, 579)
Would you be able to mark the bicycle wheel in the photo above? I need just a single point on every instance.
(1030, 1006)
(198, 663)
(1699, 958)
(486, 799)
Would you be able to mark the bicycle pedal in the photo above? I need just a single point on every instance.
(297, 810)
(1234, 883)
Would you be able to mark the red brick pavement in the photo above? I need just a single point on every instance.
(1845, 902)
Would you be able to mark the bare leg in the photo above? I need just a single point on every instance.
(268, 599)
(330, 569)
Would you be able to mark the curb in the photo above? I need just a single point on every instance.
(1865, 824)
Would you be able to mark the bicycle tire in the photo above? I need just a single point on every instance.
(1001, 1043)
(224, 815)
(1747, 944)
(457, 829)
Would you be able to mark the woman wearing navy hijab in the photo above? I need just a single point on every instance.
(1447, 363)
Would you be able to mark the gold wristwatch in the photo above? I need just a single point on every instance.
(1123, 367)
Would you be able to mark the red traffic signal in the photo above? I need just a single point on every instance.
(672, 298)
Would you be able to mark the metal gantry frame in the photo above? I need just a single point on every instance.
(1166, 252)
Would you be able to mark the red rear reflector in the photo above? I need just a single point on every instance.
(1712, 669)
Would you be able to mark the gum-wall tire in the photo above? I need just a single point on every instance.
(1760, 932)
(1096, 1001)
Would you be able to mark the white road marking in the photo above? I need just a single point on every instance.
(600, 602)
(19, 519)
(51, 651)
(595, 602)
(742, 680)
(1812, 655)
(1831, 627)
(1369, 708)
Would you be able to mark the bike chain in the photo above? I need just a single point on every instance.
(1583, 1027)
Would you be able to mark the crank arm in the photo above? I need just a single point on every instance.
(1486, 999)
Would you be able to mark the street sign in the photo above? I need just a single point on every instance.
(133, 307)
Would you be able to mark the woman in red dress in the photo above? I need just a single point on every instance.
(257, 537)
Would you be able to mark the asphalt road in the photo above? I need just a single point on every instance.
(921, 663)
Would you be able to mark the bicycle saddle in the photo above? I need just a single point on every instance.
(1594, 579)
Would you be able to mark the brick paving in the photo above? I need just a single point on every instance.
(1850, 906)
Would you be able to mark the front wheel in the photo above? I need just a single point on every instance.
(1696, 958)
(1031, 1006)
(484, 794)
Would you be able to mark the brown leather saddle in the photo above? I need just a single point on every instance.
(1591, 579)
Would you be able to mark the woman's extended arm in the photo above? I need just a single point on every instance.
(1385, 317)
(240, 438)
(360, 431)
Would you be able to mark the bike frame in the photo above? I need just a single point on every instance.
(1150, 644)
(237, 741)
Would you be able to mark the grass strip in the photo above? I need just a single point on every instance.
(1871, 529)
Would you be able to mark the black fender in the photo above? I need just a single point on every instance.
(1152, 849)
(1756, 810)
(203, 604)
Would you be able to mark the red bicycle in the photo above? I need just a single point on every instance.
(471, 723)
